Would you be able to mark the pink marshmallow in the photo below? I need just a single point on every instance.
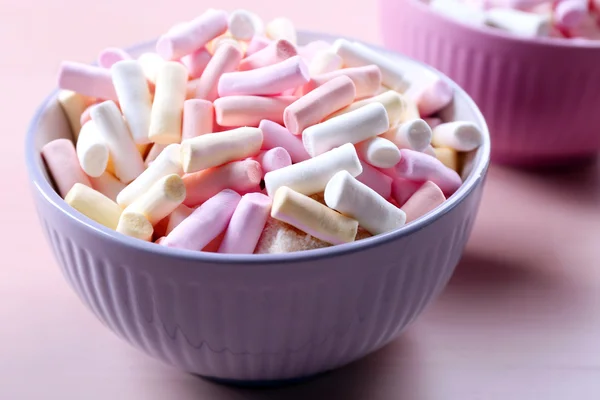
(274, 53)
(433, 122)
(246, 225)
(257, 44)
(425, 199)
(269, 80)
(205, 223)
(112, 55)
(191, 36)
(433, 98)
(309, 50)
(367, 80)
(87, 80)
(250, 110)
(275, 135)
(226, 59)
(273, 159)
(417, 166)
(63, 165)
(403, 189)
(570, 13)
(196, 62)
(198, 118)
(376, 180)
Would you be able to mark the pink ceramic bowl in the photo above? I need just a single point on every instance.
(257, 317)
(540, 97)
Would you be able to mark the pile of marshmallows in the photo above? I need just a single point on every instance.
(232, 138)
(570, 19)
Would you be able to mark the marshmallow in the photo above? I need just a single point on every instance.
(353, 127)
(193, 35)
(429, 150)
(310, 176)
(177, 216)
(270, 80)
(87, 80)
(257, 44)
(415, 135)
(274, 159)
(323, 62)
(226, 59)
(458, 135)
(247, 224)
(570, 13)
(281, 28)
(94, 205)
(205, 223)
(241, 176)
(319, 103)
(61, 159)
(425, 199)
(196, 62)
(135, 225)
(433, 122)
(447, 156)
(126, 158)
(108, 185)
(164, 196)
(378, 152)
(214, 149)
(134, 97)
(112, 55)
(434, 97)
(356, 54)
(250, 110)
(243, 24)
(167, 109)
(310, 50)
(92, 150)
(393, 102)
(198, 118)
(151, 63)
(358, 201)
(403, 189)
(376, 180)
(273, 53)
(155, 150)
(458, 11)
(167, 163)
(367, 79)
(226, 40)
(422, 167)
(279, 237)
(312, 217)
(73, 104)
(410, 112)
(275, 135)
(519, 22)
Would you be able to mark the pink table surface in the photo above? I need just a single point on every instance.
(519, 320)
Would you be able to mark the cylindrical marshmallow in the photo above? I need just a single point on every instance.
(422, 167)
(275, 135)
(226, 40)
(214, 149)
(246, 225)
(87, 80)
(196, 62)
(570, 13)
(378, 152)
(243, 24)
(241, 176)
(414, 135)
(257, 44)
(458, 135)
(135, 225)
(447, 156)
(154, 151)
(250, 110)
(274, 159)
(429, 150)
(279, 237)
(357, 55)
(358, 201)
(198, 118)
(459, 11)
(205, 223)
(178, 215)
(167, 109)
(353, 127)
(73, 104)
(160, 199)
(402, 189)
(312, 217)
(273, 53)
(94, 205)
(108, 185)
(281, 28)
(310, 49)
(434, 97)
(433, 121)
(193, 35)
(226, 59)
(410, 112)
(92, 150)
(367, 79)
(64, 168)
(313, 107)
(310, 176)
(428, 197)
(519, 22)
(112, 55)
(323, 62)
(376, 180)
(128, 162)
(151, 63)
(167, 163)
(393, 102)
(270, 80)
(134, 96)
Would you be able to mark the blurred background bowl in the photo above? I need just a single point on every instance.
(249, 318)
(540, 97)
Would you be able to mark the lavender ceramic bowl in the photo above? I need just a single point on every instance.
(257, 317)
(540, 97)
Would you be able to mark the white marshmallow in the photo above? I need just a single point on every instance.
(457, 135)
(92, 150)
(134, 96)
(164, 196)
(151, 64)
(353, 127)
(358, 201)
(519, 22)
(394, 103)
(243, 24)
(325, 61)
(125, 156)
(378, 152)
(413, 134)
(167, 163)
(311, 176)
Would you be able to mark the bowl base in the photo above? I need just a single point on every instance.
(263, 383)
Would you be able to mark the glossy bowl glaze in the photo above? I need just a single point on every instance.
(257, 318)
(540, 97)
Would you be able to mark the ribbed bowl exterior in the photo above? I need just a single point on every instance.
(540, 99)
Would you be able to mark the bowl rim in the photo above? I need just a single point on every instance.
(478, 172)
(499, 34)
